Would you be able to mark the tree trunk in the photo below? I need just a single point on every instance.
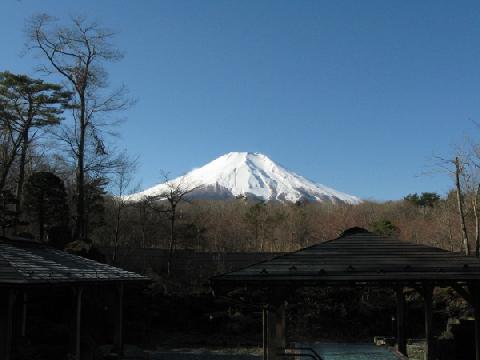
(21, 175)
(80, 223)
(143, 244)
(172, 240)
(463, 227)
(7, 166)
(477, 222)
(117, 232)
(41, 222)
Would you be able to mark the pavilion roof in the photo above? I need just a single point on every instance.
(358, 256)
(26, 262)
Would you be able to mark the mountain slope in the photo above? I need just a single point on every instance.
(253, 175)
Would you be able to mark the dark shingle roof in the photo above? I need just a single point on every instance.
(359, 256)
(29, 262)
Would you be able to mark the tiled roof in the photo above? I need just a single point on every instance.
(29, 262)
(359, 256)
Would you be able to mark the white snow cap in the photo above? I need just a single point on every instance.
(252, 175)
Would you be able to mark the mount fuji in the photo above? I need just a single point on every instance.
(252, 175)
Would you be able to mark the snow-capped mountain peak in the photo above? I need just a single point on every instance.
(253, 175)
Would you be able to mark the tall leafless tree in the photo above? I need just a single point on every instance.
(460, 203)
(472, 177)
(176, 191)
(77, 52)
(122, 183)
(456, 167)
(475, 204)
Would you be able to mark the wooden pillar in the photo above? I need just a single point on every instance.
(119, 321)
(280, 322)
(271, 334)
(12, 294)
(23, 326)
(401, 338)
(78, 321)
(475, 296)
(428, 300)
(265, 332)
(274, 339)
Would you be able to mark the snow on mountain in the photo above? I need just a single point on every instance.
(253, 175)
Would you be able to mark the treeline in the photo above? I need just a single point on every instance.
(243, 225)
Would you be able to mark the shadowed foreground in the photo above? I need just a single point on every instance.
(328, 351)
(334, 351)
(201, 354)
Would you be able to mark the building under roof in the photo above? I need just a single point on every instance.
(27, 264)
(359, 258)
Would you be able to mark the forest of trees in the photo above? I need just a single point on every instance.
(62, 178)
(243, 225)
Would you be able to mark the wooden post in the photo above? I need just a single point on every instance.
(274, 339)
(23, 330)
(280, 332)
(428, 300)
(401, 338)
(265, 332)
(119, 321)
(12, 294)
(78, 322)
(475, 292)
(271, 334)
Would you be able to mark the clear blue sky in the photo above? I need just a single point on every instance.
(357, 95)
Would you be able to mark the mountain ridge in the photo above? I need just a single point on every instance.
(253, 175)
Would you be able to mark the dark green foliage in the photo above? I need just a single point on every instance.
(27, 107)
(429, 199)
(45, 201)
(426, 199)
(95, 204)
(59, 236)
(7, 210)
(32, 100)
(384, 227)
(85, 249)
(413, 199)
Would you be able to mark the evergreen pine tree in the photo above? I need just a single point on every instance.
(45, 201)
(28, 105)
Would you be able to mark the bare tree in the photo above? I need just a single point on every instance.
(463, 228)
(473, 178)
(122, 181)
(142, 206)
(258, 216)
(77, 52)
(175, 193)
(475, 204)
(456, 167)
